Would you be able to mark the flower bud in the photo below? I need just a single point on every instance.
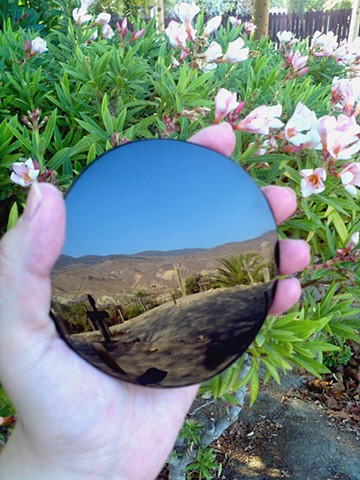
(353, 241)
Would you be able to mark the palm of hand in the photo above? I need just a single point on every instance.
(71, 417)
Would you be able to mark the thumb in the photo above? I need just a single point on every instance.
(27, 254)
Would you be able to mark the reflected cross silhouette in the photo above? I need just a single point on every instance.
(97, 319)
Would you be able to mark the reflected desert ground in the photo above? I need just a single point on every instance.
(173, 345)
(182, 339)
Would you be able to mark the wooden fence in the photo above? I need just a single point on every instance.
(306, 25)
(303, 26)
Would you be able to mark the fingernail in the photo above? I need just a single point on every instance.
(33, 202)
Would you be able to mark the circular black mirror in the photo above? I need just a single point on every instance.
(168, 268)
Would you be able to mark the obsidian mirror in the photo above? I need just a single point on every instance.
(168, 268)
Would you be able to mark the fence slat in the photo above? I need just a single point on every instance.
(304, 26)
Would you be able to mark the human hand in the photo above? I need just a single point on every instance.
(74, 422)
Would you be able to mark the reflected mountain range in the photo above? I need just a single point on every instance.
(113, 275)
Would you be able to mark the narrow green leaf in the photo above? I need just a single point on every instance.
(344, 331)
(310, 365)
(339, 225)
(91, 154)
(92, 127)
(254, 385)
(317, 346)
(119, 125)
(13, 216)
(49, 129)
(271, 369)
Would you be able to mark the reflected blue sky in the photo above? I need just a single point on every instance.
(162, 195)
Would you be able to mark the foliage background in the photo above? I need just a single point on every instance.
(94, 96)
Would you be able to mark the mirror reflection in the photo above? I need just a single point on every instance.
(168, 267)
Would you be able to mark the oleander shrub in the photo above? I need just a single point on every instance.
(295, 111)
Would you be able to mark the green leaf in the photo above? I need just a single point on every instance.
(339, 225)
(344, 331)
(60, 157)
(90, 126)
(106, 117)
(13, 216)
(310, 365)
(230, 399)
(318, 346)
(271, 369)
(286, 335)
(24, 141)
(260, 339)
(91, 154)
(254, 381)
(119, 125)
(49, 129)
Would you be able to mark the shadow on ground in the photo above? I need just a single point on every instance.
(284, 436)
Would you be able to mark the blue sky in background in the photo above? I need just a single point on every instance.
(162, 195)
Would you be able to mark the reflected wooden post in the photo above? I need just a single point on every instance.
(179, 279)
(98, 321)
(97, 318)
(143, 304)
(87, 319)
(119, 313)
(266, 274)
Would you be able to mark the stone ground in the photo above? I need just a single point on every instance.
(286, 435)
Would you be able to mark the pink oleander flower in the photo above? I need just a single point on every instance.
(324, 125)
(86, 3)
(339, 136)
(298, 62)
(350, 178)
(261, 120)
(177, 34)
(122, 29)
(345, 94)
(353, 241)
(186, 12)
(326, 43)
(184, 54)
(27, 47)
(212, 55)
(93, 36)
(174, 62)
(25, 173)
(249, 27)
(342, 139)
(342, 146)
(38, 45)
(107, 31)
(235, 52)
(81, 16)
(136, 35)
(225, 103)
(351, 244)
(103, 18)
(343, 53)
(235, 22)
(303, 120)
(270, 145)
(313, 181)
(286, 37)
(212, 25)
